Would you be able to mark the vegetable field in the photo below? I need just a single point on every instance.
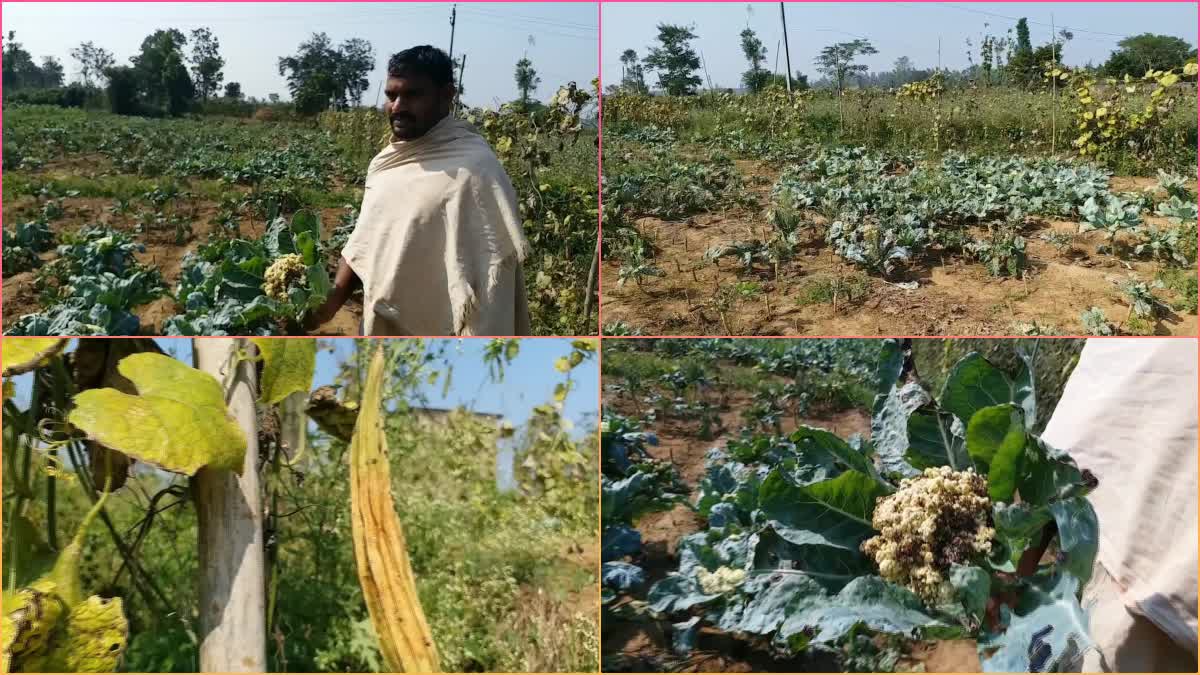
(927, 210)
(821, 505)
(126, 225)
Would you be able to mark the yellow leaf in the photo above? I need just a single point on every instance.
(178, 420)
(22, 354)
(1190, 70)
(1101, 111)
(288, 367)
(562, 365)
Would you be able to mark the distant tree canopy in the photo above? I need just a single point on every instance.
(527, 79)
(675, 60)
(633, 76)
(233, 91)
(321, 76)
(93, 62)
(1135, 55)
(21, 72)
(755, 78)
(206, 63)
(837, 60)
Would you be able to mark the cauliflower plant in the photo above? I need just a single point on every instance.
(933, 521)
(286, 270)
(722, 580)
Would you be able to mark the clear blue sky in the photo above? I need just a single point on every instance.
(528, 381)
(896, 29)
(254, 35)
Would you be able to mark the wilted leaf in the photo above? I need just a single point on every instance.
(22, 354)
(288, 367)
(178, 421)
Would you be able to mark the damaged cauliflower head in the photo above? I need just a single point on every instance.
(722, 580)
(282, 274)
(933, 521)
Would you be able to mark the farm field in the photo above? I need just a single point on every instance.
(716, 454)
(125, 225)
(931, 210)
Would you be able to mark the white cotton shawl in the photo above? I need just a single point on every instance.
(438, 244)
(1128, 413)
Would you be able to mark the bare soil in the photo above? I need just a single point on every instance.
(164, 251)
(954, 296)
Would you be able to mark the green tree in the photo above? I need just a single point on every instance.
(675, 60)
(321, 76)
(177, 85)
(799, 81)
(51, 72)
(93, 62)
(837, 60)
(527, 79)
(633, 76)
(233, 91)
(20, 71)
(356, 59)
(163, 76)
(206, 62)
(1135, 55)
(123, 88)
(1024, 46)
(752, 48)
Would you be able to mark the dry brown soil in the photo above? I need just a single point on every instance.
(954, 296)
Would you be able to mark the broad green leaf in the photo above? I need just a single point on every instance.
(836, 512)
(22, 354)
(1078, 536)
(812, 439)
(1048, 473)
(972, 587)
(868, 601)
(996, 441)
(889, 425)
(775, 600)
(830, 566)
(1024, 389)
(178, 420)
(974, 383)
(288, 367)
(933, 443)
(1048, 632)
(1018, 526)
(891, 365)
(511, 349)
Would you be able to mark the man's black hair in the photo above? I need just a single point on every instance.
(423, 60)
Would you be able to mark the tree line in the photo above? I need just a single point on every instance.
(1003, 60)
(174, 73)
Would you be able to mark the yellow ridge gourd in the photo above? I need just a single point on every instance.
(384, 570)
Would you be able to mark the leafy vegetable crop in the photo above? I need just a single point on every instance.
(793, 554)
(223, 286)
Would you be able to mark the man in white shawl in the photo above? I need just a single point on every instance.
(438, 245)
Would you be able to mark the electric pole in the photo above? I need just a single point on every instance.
(453, 15)
(787, 56)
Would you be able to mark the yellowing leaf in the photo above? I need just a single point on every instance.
(1168, 79)
(288, 367)
(21, 354)
(562, 365)
(178, 420)
(1190, 70)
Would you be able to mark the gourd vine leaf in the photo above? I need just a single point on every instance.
(177, 422)
(21, 355)
(288, 367)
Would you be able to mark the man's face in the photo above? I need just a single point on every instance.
(415, 104)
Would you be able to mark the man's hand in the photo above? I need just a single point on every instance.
(343, 285)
